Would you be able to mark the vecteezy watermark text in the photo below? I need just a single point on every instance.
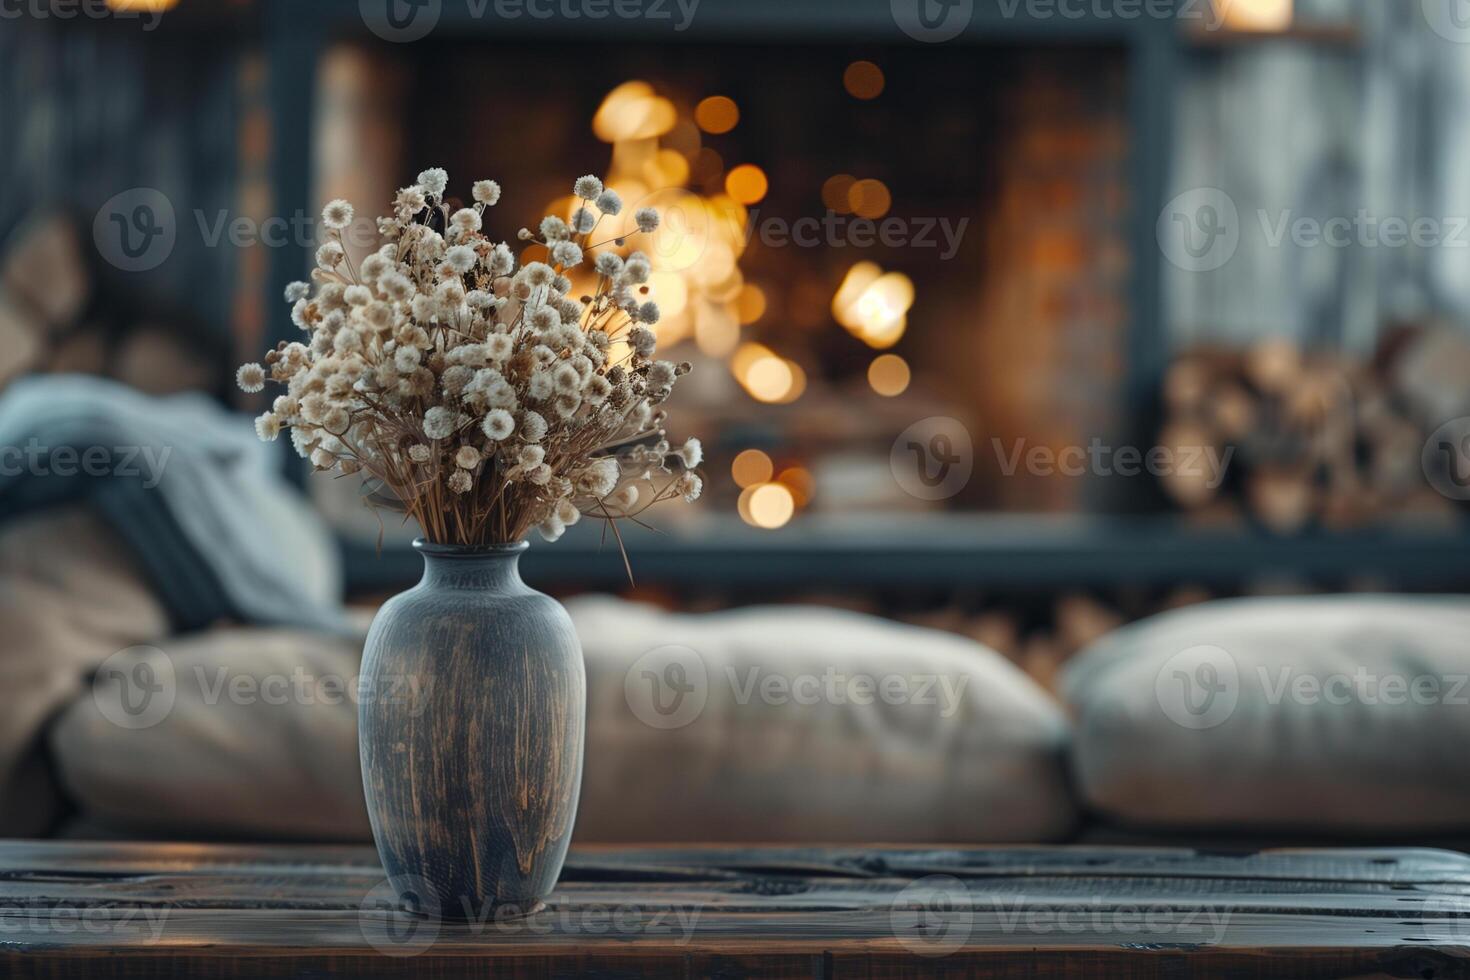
(406, 21)
(126, 462)
(73, 9)
(833, 230)
(1099, 459)
(1201, 229)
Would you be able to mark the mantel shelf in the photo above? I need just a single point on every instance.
(920, 551)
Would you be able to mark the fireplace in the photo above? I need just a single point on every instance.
(930, 231)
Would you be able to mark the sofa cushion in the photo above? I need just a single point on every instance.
(804, 723)
(70, 597)
(762, 724)
(1335, 714)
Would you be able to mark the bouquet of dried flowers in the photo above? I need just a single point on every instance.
(483, 396)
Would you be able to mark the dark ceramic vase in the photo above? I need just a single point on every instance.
(471, 729)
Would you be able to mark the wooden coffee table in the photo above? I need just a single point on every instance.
(137, 910)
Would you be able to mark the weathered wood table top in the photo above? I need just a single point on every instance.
(137, 910)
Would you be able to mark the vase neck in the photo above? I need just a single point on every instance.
(495, 569)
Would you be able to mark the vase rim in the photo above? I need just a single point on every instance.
(439, 549)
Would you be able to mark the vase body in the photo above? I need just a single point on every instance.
(473, 706)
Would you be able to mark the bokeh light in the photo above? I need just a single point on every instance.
(767, 505)
(747, 183)
(873, 305)
(863, 80)
(717, 114)
(869, 198)
(751, 466)
(835, 192)
(889, 375)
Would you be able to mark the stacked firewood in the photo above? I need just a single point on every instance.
(1315, 439)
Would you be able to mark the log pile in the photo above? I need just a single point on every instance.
(1317, 440)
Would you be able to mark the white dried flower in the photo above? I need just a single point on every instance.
(467, 458)
(566, 254)
(567, 512)
(648, 312)
(608, 202)
(539, 386)
(566, 379)
(583, 220)
(661, 374)
(530, 457)
(250, 377)
(533, 426)
(357, 295)
(497, 347)
(597, 389)
(487, 192)
(540, 475)
(637, 269)
(434, 181)
(467, 220)
(608, 264)
(600, 477)
(330, 255)
(396, 286)
(337, 214)
(498, 424)
(544, 318)
(347, 340)
(297, 291)
(501, 260)
(551, 529)
(538, 274)
(419, 453)
(406, 359)
(455, 378)
(267, 427)
(689, 485)
(587, 188)
(647, 219)
(438, 423)
(411, 199)
(553, 229)
(691, 454)
(460, 481)
(461, 258)
(337, 420)
(643, 341)
(623, 499)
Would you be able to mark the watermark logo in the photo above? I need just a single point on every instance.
(1444, 919)
(135, 231)
(933, 458)
(1198, 688)
(1450, 19)
(1445, 458)
(400, 21)
(135, 688)
(933, 916)
(932, 21)
(400, 916)
(1199, 230)
(667, 687)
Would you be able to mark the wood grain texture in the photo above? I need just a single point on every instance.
(472, 736)
(134, 910)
